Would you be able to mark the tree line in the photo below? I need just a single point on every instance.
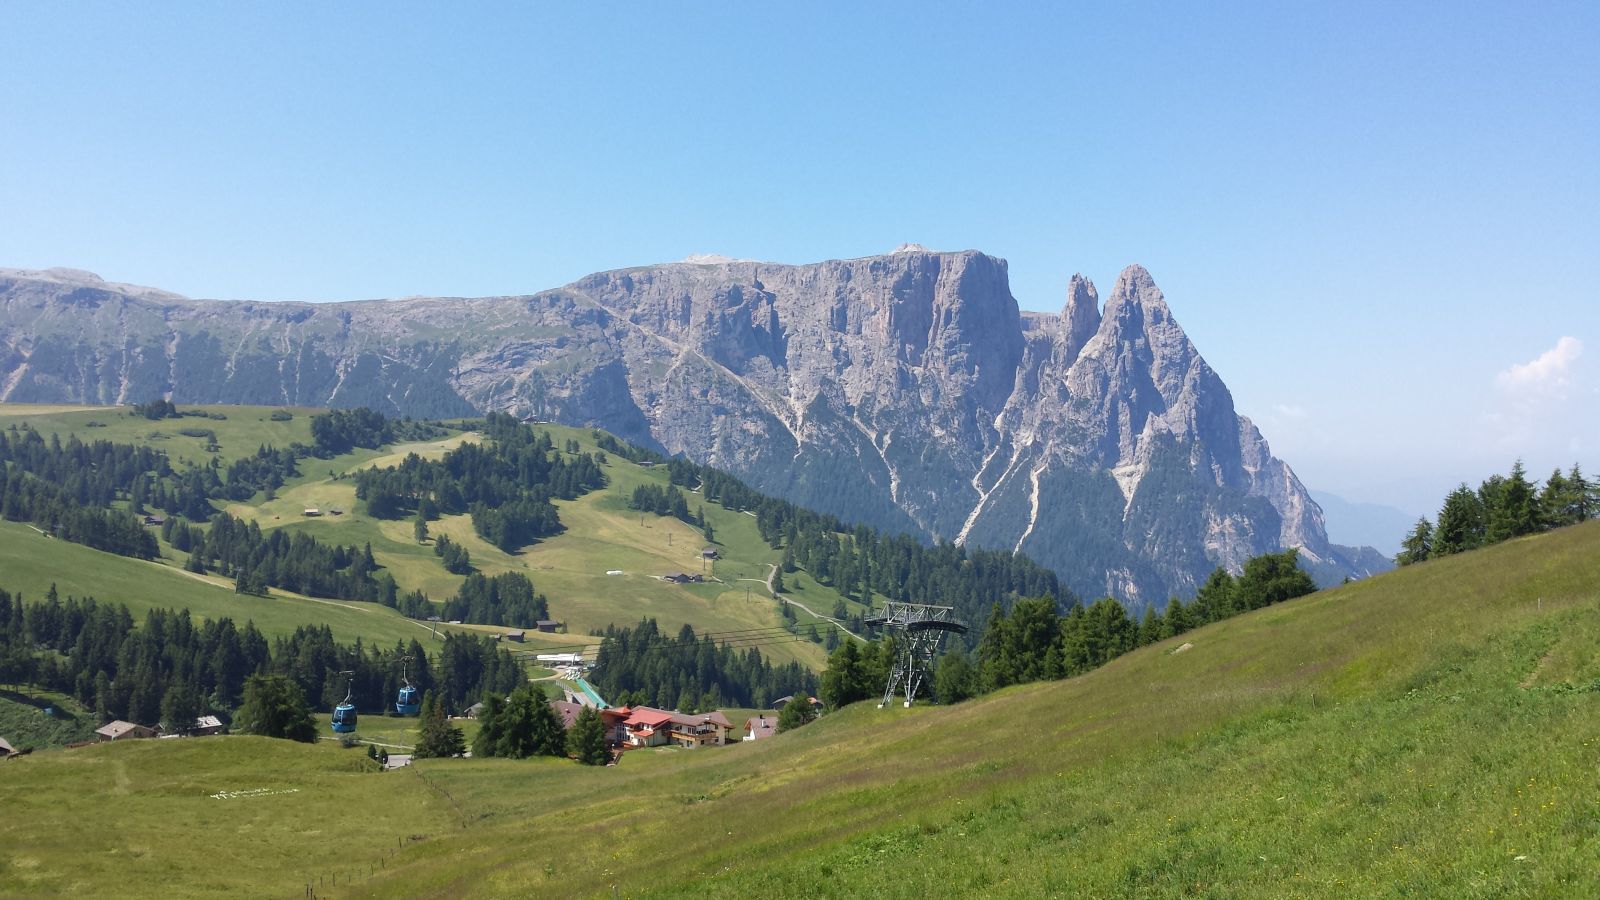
(690, 672)
(168, 669)
(1503, 507)
(1034, 641)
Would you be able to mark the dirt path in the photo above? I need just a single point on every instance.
(772, 573)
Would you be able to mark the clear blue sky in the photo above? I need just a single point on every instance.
(1363, 213)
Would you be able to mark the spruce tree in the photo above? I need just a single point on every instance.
(586, 742)
(1461, 523)
(274, 706)
(438, 738)
(1417, 546)
(1177, 620)
(490, 739)
(955, 680)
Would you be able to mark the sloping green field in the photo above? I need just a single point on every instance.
(1431, 732)
(30, 563)
(602, 535)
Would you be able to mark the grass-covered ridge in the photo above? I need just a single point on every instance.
(1434, 731)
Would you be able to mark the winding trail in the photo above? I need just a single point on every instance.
(772, 573)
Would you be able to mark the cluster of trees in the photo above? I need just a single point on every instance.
(266, 471)
(506, 484)
(159, 408)
(67, 489)
(342, 430)
(504, 599)
(524, 724)
(690, 672)
(294, 561)
(456, 558)
(663, 501)
(24, 498)
(168, 669)
(1503, 507)
(518, 726)
(437, 738)
(1033, 641)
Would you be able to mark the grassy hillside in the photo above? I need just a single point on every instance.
(30, 563)
(601, 535)
(1434, 731)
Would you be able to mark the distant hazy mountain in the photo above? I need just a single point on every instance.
(905, 390)
(1372, 524)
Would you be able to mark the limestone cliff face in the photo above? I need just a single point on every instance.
(904, 390)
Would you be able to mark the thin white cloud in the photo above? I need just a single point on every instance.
(1548, 371)
(1290, 410)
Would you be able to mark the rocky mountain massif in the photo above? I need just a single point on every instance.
(906, 390)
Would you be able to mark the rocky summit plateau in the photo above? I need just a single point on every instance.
(906, 391)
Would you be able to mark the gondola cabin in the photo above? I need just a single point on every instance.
(344, 717)
(408, 702)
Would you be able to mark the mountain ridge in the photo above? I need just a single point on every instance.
(906, 390)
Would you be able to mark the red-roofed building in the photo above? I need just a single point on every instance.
(646, 727)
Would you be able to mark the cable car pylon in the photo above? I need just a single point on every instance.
(920, 629)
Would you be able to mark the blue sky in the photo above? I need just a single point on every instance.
(1366, 215)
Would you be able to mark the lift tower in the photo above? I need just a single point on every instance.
(920, 629)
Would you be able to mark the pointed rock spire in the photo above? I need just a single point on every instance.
(1081, 317)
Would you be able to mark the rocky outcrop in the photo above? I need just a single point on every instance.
(904, 390)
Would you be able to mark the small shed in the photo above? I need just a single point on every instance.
(207, 725)
(547, 625)
(515, 634)
(473, 710)
(311, 512)
(711, 553)
(155, 520)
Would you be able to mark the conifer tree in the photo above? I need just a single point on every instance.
(955, 680)
(845, 680)
(274, 706)
(1149, 627)
(1177, 620)
(1461, 523)
(586, 742)
(438, 738)
(1417, 546)
(491, 727)
(1216, 598)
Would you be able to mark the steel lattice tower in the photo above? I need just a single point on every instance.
(921, 629)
